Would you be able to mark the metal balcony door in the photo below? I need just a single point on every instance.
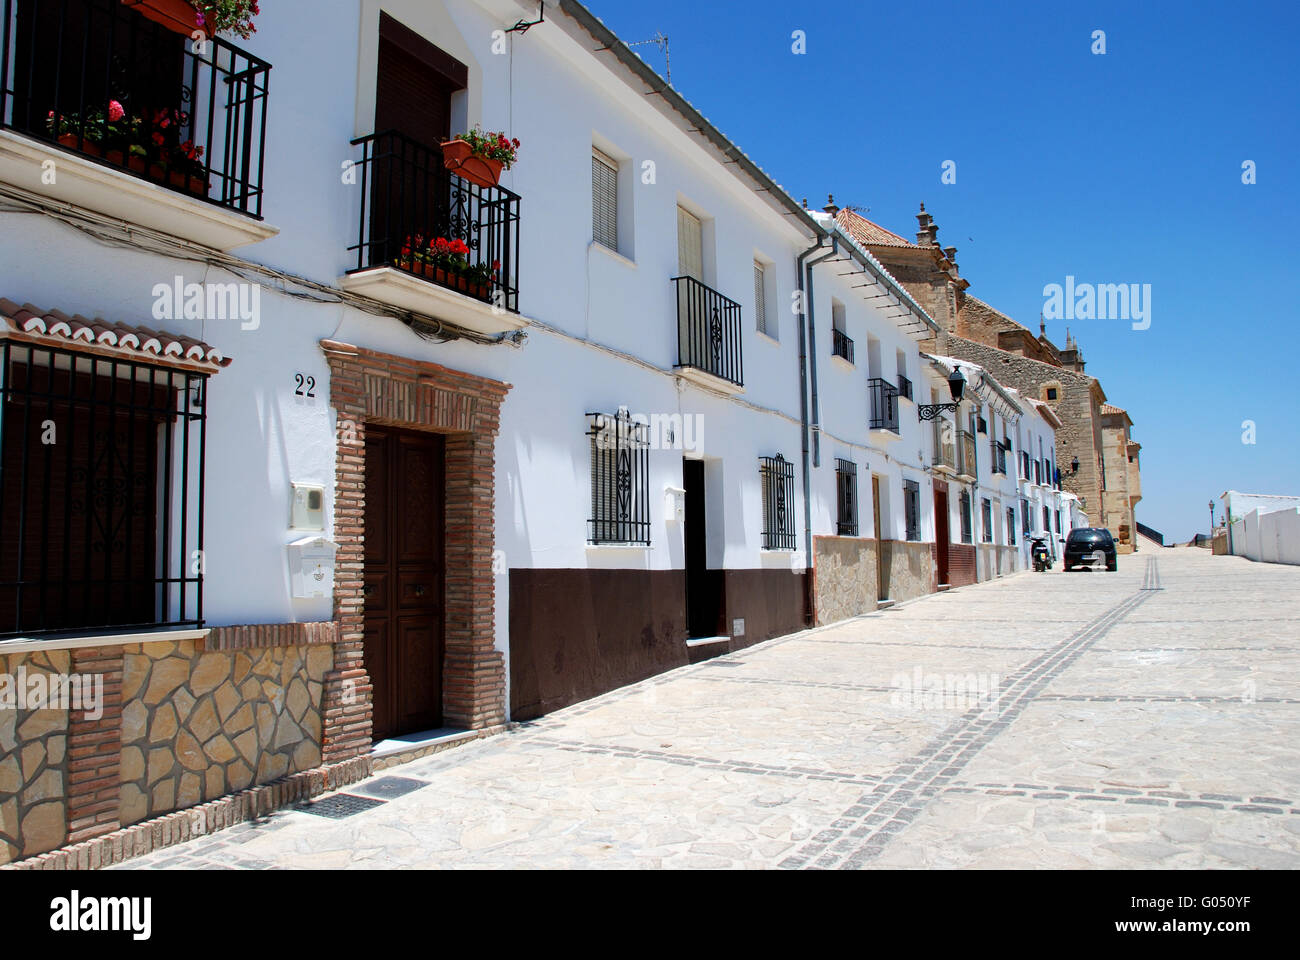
(404, 556)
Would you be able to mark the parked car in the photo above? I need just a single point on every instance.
(1087, 545)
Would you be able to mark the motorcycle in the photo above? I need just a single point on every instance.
(1042, 556)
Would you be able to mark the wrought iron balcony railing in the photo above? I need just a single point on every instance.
(101, 80)
(945, 446)
(419, 217)
(841, 345)
(966, 443)
(884, 404)
(708, 331)
(997, 457)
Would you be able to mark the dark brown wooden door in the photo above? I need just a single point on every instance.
(941, 534)
(405, 516)
(882, 572)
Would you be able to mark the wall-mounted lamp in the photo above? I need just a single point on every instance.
(956, 387)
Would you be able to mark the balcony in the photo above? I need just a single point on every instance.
(945, 447)
(431, 242)
(841, 345)
(997, 458)
(143, 124)
(966, 454)
(905, 387)
(708, 336)
(884, 406)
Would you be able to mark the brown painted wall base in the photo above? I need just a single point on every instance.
(575, 634)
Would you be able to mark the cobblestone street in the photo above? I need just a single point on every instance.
(1145, 718)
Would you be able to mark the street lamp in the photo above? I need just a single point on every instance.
(1211, 518)
(956, 387)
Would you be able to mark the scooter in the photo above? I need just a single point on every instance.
(1042, 556)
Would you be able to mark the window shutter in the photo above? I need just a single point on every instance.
(690, 245)
(760, 297)
(604, 200)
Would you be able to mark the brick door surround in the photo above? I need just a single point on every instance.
(371, 387)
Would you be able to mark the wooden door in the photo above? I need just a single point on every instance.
(882, 568)
(404, 528)
(701, 594)
(941, 534)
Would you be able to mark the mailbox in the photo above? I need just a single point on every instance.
(311, 567)
(675, 503)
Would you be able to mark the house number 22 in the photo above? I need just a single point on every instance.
(306, 386)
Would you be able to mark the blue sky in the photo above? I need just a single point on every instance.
(1120, 168)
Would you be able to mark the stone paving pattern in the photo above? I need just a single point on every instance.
(1145, 718)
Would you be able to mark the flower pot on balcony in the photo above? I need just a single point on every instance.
(177, 15)
(80, 144)
(459, 157)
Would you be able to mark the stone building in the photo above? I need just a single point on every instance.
(1032, 365)
(1124, 486)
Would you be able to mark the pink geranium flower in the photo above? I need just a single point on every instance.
(115, 111)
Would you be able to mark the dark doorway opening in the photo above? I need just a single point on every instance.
(702, 593)
(405, 521)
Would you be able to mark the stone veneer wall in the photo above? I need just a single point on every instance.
(197, 725)
(994, 561)
(33, 765)
(909, 569)
(844, 577)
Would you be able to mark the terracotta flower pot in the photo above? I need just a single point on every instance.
(458, 157)
(80, 144)
(177, 15)
(446, 278)
(137, 163)
(191, 184)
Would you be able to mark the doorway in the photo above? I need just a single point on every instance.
(882, 566)
(941, 535)
(701, 595)
(404, 559)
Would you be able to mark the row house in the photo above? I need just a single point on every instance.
(317, 442)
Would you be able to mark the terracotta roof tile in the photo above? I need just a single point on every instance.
(56, 328)
(1108, 408)
(868, 233)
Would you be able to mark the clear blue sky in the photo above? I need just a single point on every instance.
(1122, 168)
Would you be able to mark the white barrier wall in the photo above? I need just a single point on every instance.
(1269, 537)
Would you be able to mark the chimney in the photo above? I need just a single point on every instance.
(830, 205)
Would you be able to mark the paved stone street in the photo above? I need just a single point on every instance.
(1145, 718)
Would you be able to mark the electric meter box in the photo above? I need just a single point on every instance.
(311, 567)
(308, 507)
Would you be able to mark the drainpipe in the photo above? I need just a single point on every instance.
(803, 424)
(812, 340)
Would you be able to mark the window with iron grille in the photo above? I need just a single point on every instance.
(1058, 521)
(966, 519)
(986, 514)
(912, 509)
(760, 301)
(777, 475)
(620, 467)
(1024, 518)
(1011, 526)
(604, 200)
(846, 498)
(101, 478)
(1024, 465)
(1047, 520)
(1038, 471)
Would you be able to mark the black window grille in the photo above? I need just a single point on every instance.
(1058, 521)
(1038, 471)
(884, 404)
(904, 387)
(777, 474)
(708, 331)
(1025, 521)
(410, 201)
(1024, 465)
(193, 114)
(101, 478)
(1011, 526)
(841, 344)
(966, 519)
(912, 508)
(846, 490)
(986, 514)
(620, 488)
(1047, 520)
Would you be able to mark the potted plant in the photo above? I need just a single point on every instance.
(72, 132)
(444, 261)
(480, 157)
(210, 16)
